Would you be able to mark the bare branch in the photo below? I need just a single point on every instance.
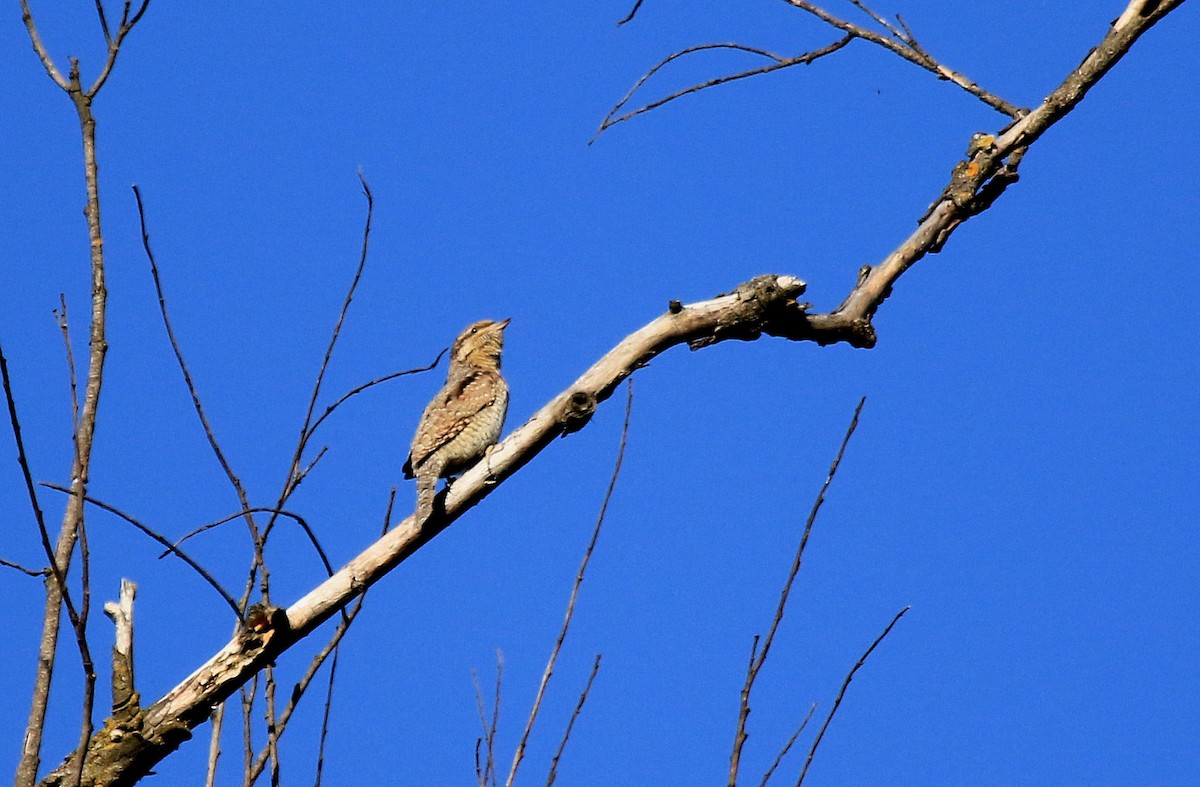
(60, 316)
(114, 44)
(900, 43)
(39, 47)
(57, 594)
(305, 431)
(103, 22)
(214, 745)
(842, 693)
(566, 624)
(355, 391)
(632, 13)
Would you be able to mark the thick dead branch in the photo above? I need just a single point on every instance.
(124, 693)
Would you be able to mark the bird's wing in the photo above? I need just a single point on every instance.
(450, 412)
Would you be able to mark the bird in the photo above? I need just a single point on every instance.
(464, 419)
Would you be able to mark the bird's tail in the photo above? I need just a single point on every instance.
(426, 487)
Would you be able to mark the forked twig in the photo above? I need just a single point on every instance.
(779, 62)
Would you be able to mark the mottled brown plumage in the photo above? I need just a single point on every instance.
(465, 417)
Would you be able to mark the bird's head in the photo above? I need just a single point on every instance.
(480, 344)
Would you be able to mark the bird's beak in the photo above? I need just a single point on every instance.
(503, 323)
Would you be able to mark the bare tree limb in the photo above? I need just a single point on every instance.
(209, 434)
(906, 47)
(31, 572)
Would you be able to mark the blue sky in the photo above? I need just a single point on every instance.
(1024, 476)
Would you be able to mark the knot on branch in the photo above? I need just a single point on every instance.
(761, 303)
(976, 182)
(577, 412)
(261, 621)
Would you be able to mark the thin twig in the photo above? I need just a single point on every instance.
(495, 723)
(587, 557)
(359, 389)
(171, 548)
(562, 745)
(787, 746)
(40, 572)
(60, 315)
(757, 661)
(305, 432)
(481, 771)
(209, 434)
(842, 693)
(632, 13)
